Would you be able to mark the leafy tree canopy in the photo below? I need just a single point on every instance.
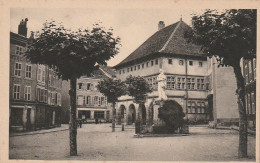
(138, 88)
(112, 89)
(172, 114)
(72, 53)
(229, 35)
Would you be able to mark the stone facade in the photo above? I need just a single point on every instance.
(186, 77)
(222, 94)
(249, 72)
(91, 104)
(30, 108)
(193, 80)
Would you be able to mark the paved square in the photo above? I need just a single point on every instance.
(97, 142)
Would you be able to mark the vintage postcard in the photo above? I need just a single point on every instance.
(129, 81)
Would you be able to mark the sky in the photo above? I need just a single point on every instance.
(133, 26)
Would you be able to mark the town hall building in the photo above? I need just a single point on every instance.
(192, 79)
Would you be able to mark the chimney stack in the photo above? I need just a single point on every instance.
(161, 25)
(22, 28)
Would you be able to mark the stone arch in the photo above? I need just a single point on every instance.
(121, 114)
(131, 114)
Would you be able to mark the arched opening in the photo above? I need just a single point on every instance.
(131, 114)
(121, 114)
(143, 114)
(150, 114)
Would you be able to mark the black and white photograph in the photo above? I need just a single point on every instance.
(132, 84)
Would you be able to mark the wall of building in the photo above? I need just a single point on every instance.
(177, 68)
(90, 101)
(27, 112)
(226, 100)
(147, 68)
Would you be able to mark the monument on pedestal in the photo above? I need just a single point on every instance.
(161, 79)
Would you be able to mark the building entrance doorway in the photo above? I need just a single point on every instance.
(131, 114)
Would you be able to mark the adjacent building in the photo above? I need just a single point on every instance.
(35, 90)
(222, 98)
(91, 104)
(249, 71)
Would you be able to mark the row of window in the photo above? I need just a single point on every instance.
(250, 70)
(18, 70)
(250, 103)
(17, 92)
(42, 95)
(178, 82)
(196, 107)
(91, 100)
(140, 66)
(86, 86)
(181, 62)
(97, 114)
(41, 74)
(52, 98)
(53, 79)
(152, 63)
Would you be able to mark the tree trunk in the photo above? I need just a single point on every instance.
(113, 117)
(242, 149)
(73, 120)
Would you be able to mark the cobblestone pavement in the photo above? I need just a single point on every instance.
(97, 142)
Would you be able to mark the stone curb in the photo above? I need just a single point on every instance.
(236, 129)
(36, 133)
(158, 135)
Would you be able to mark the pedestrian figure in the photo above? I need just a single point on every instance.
(100, 121)
(80, 123)
(96, 121)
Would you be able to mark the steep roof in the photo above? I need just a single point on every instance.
(169, 40)
(18, 39)
(102, 72)
(109, 70)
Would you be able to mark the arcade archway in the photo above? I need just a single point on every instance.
(131, 114)
(121, 114)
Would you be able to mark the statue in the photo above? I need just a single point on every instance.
(161, 79)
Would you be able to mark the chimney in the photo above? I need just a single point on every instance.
(22, 28)
(161, 25)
